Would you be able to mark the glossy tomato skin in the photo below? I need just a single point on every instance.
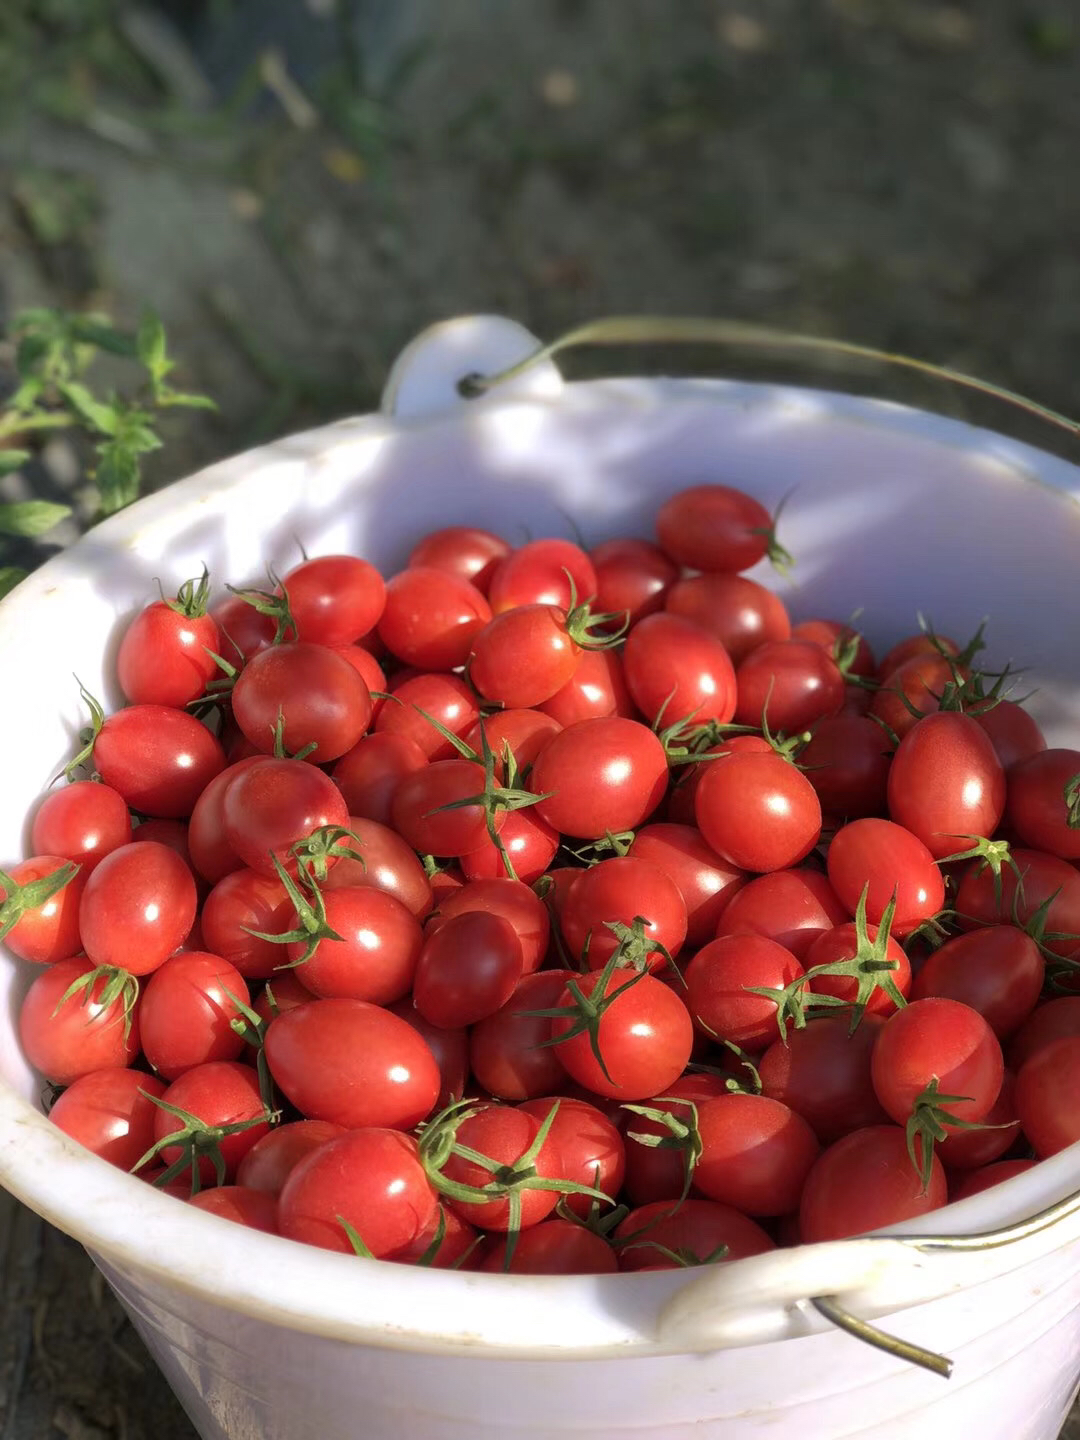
(334, 599)
(353, 1064)
(1046, 1097)
(792, 907)
(698, 1228)
(602, 775)
(138, 907)
(515, 902)
(467, 969)
(68, 1038)
(459, 1248)
(823, 1072)
(242, 902)
(82, 822)
(597, 688)
(272, 805)
(946, 783)
(376, 957)
(940, 1039)
(714, 528)
(654, 1172)
(915, 647)
(847, 762)
(632, 577)
(242, 1206)
(529, 844)
(159, 759)
(525, 731)
(445, 698)
(554, 1247)
(998, 971)
(706, 883)
(50, 931)
(972, 1182)
(718, 981)
(166, 657)
(389, 864)
(244, 631)
(108, 1111)
(221, 1092)
(592, 1150)
(970, 1149)
(419, 817)
(271, 1160)
(883, 857)
(1045, 881)
(186, 1012)
(741, 613)
(212, 856)
(790, 683)
(645, 1036)
(1049, 1022)
(1014, 733)
(320, 697)
(837, 637)
(449, 1047)
(1038, 809)
(369, 773)
(842, 944)
(679, 670)
(508, 1050)
(617, 891)
(432, 617)
(523, 656)
(756, 1153)
(371, 1178)
(467, 551)
(916, 685)
(540, 573)
(757, 811)
(863, 1181)
(502, 1133)
(683, 797)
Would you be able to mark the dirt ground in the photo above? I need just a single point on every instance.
(298, 186)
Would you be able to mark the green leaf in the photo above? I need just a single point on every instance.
(167, 398)
(117, 477)
(30, 354)
(10, 576)
(12, 460)
(99, 414)
(31, 518)
(150, 347)
(98, 332)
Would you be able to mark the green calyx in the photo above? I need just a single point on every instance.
(87, 736)
(311, 927)
(20, 900)
(252, 1028)
(586, 1011)
(278, 732)
(192, 598)
(929, 1123)
(682, 1135)
(270, 602)
(119, 985)
(992, 855)
(1071, 792)
(610, 844)
(197, 1140)
(780, 559)
(315, 852)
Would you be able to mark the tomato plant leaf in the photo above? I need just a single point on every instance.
(150, 347)
(31, 518)
(12, 460)
(10, 576)
(98, 414)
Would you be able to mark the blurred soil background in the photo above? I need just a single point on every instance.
(299, 186)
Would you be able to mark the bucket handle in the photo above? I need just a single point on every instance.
(697, 330)
(757, 1299)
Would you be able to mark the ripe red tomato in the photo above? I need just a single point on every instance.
(137, 908)
(39, 921)
(842, 944)
(741, 613)
(676, 670)
(82, 822)
(997, 970)
(422, 814)
(455, 1251)
(823, 1072)
(1049, 1022)
(108, 1112)
(509, 1054)
(186, 1013)
(847, 762)
(445, 698)
(1046, 1097)
(943, 1040)
(1045, 881)
(1044, 802)
(219, 1093)
(617, 891)
(591, 1147)
(515, 902)
(644, 1035)
(864, 1181)
(320, 699)
(272, 805)
(242, 1206)
(597, 688)
(166, 656)
(718, 981)
(244, 630)
(916, 685)
(655, 1172)
(632, 577)
(389, 864)
(238, 905)
(600, 775)
(791, 684)
(837, 638)
(884, 859)
(697, 1232)
(467, 969)
(271, 1160)
(66, 1038)
(369, 773)
(706, 883)
(946, 783)
(973, 1182)
(523, 656)
(463, 550)
(525, 731)
(373, 1179)
(334, 599)
(915, 647)
(792, 907)
(160, 760)
(449, 1047)
(757, 811)
(502, 1134)
(375, 959)
(540, 573)
(528, 842)
(970, 1149)
(211, 854)
(1014, 734)
(755, 1153)
(714, 527)
(353, 1064)
(554, 1247)
(432, 617)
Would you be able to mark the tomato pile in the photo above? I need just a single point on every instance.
(555, 911)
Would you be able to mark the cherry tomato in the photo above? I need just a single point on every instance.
(244, 630)
(375, 959)
(1049, 1022)
(166, 656)
(502, 1134)
(718, 988)
(212, 856)
(334, 599)
(242, 1206)
(697, 1232)
(1045, 881)
(554, 1247)
(525, 731)
(460, 1241)
(741, 613)
(372, 1179)
(463, 550)
(320, 699)
(644, 1035)
(44, 926)
(281, 992)
(353, 1064)
(524, 656)
(600, 775)
(1044, 793)
(792, 907)
(271, 1160)
(914, 647)
(137, 908)
(219, 1093)
(515, 902)
(884, 859)
(449, 1047)
(847, 762)
(1014, 734)
(108, 1112)
(596, 688)
(842, 944)
(591, 1147)
(540, 573)
(160, 760)
(823, 1072)
(755, 1153)
(864, 1181)
(389, 864)
(943, 1040)
(446, 698)
(426, 810)
(790, 683)
(706, 883)
(528, 842)
(509, 1053)
(757, 811)
(714, 527)
(467, 969)
(974, 1182)
(1000, 1126)
(615, 892)
(655, 1172)
(676, 670)
(432, 617)
(66, 1038)
(1046, 1096)
(683, 797)
(241, 908)
(369, 773)
(82, 822)
(632, 577)
(274, 804)
(912, 691)
(946, 783)
(998, 971)
(187, 1011)
(841, 642)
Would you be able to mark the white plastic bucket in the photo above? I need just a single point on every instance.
(266, 1340)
